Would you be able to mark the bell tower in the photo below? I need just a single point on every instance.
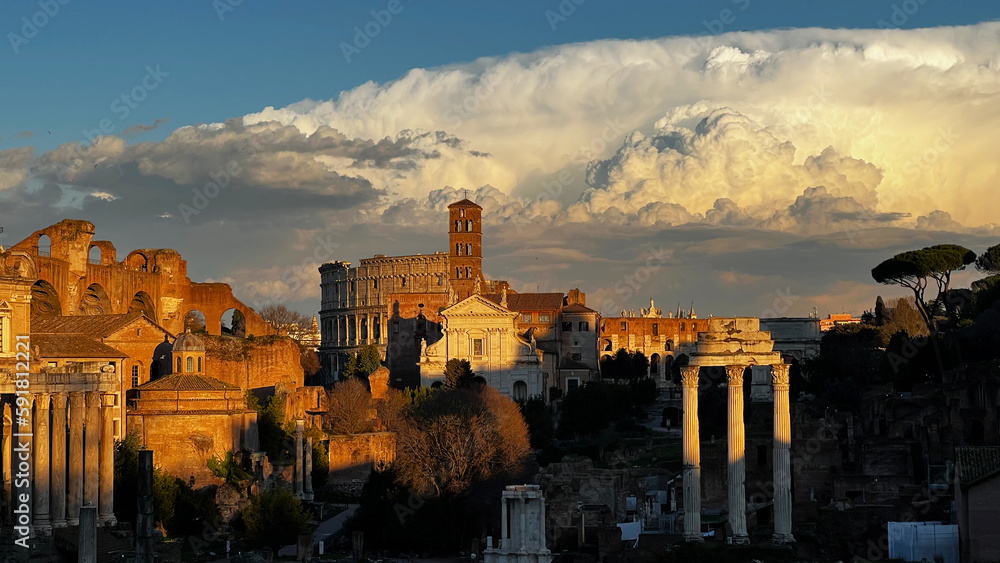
(465, 257)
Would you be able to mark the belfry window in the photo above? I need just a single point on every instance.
(468, 225)
(458, 272)
(468, 249)
(461, 213)
(458, 226)
(458, 249)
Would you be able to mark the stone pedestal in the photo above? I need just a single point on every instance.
(58, 478)
(782, 457)
(106, 510)
(74, 497)
(692, 455)
(42, 464)
(735, 444)
(91, 453)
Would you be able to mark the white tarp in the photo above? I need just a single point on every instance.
(920, 541)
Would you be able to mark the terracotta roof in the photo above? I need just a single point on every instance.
(577, 308)
(464, 203)
(186, 382)
(53, 346)
(977, 463)
(530, 301)
(94, 326)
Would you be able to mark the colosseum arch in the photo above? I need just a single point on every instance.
(95, 301)
(137, 261)
(44, 299)
(143, 303)
(43, 245)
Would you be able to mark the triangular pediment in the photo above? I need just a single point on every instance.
(140, 321)
(477, 305)
(4, 304)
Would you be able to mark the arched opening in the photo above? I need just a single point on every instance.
(200, 367)
(520, 391)
(234, 323)
(669, 346)
(94, 256)
(178, 370)
(437, 385)
(194, 321)
(44, 245)
(607, 345)
(44, 299)
(654, 365)
(137, 261)
(143, 303)
(95, 301)
(189, 364)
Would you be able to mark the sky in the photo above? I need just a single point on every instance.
(748, 157)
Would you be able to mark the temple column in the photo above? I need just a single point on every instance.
(58, 488)
(74, 497)
(692, 456)
(42, 464)
(299, 428)
(106, 509)
(737, 456)
(6, 466)
(91, 453)
(307, 483)
(782, 457)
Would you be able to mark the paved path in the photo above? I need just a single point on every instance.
(325, 530)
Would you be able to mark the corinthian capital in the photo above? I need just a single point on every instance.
(689, 376)
(779, 374)
(734, 375)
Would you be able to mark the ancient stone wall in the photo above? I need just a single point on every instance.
(253, 364)
(351, 451)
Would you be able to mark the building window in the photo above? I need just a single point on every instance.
(458, 226)
(624, 325)
(567, 326)
(477, 347)
(694, 327)
(404, 281)
(520, 391)
(468, 249)
(577, 357)
(199, 365)
(375, 284)
(468, 225)
(468, 272)
(458, 249)
(682, 326)
(525, 317)
(572, 383)
(190, 363)
(543, 317)
(584, 326)
(461, 213)
(656, 329)
(178, 364)
(458, 273)
(440, 280)
(135, 376)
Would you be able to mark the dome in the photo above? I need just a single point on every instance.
(188, 342)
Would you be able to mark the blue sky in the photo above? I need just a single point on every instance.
(751, 148)
(259, 54)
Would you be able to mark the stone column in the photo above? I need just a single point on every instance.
(91, 454)
(42, 464)
(58, 488)
(299, 428)
(307, 483)
(7, 464)
(782, 457)
(74, 497)
(692, 456)
(737, 456)
(504, 533)
(106, 509)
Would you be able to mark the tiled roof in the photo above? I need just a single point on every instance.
(530, 301)
(94, 326)
(464, 203)
(577, 308)
(186, 382)
(976, 463)
(52, 346)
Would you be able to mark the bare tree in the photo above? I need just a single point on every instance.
(459, 437)
(351, 409)
(280, 316)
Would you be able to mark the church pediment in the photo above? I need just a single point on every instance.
(477, 306)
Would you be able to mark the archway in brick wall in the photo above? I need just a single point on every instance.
(233, 323)
(44, 299)
(194, 321)
(143, 303)
(95, 301)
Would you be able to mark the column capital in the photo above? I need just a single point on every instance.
(41, 400)
(107, 400)
(93, 399)
(59, 400)
(779, 374)
(689, 376)
(734, 375)
(77, 399)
